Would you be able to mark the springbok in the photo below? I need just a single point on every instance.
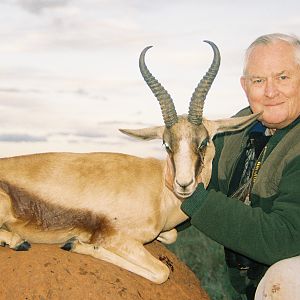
(108, 205)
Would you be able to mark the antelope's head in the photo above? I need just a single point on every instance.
(187, 138)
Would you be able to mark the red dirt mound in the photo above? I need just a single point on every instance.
(47, 272)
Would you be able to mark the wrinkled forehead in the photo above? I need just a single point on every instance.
(271, 58)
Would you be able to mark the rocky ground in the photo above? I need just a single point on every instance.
(47, 272)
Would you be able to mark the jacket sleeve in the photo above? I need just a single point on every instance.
(266, 236)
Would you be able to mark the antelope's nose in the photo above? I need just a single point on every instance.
(184, 185)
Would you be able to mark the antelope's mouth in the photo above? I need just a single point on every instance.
(184, 194)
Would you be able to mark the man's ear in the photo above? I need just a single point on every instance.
(243, 83)
(145, 133)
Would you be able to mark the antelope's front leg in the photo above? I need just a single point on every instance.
(127, 254)
(168, 237)
(13, 240)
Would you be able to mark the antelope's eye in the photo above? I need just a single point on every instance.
(167, 146)
(203, 144)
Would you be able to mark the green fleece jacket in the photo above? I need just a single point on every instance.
(269, 229)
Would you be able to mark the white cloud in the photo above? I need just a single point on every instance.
(38, 6)
(68, 65)
(18, 138)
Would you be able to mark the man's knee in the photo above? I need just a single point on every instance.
(281, 281)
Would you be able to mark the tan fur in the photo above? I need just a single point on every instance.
(109, 204)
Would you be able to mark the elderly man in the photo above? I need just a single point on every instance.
(252, 205)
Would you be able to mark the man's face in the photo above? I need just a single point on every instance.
(272, 84)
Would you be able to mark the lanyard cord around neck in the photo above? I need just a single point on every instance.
(258, 165)
(251, 168)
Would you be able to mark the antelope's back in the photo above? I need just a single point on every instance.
(84, 180)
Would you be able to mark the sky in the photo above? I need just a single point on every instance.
(69, 75)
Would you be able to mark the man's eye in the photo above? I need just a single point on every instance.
(257, 80)
(283, 77)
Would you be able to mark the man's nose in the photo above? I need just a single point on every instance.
(271, 89)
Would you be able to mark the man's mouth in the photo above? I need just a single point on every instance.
(273, 104)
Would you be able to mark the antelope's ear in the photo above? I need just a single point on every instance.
(145, 133)
(230, 124)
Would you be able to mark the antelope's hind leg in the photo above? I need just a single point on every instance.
(127, 254)
(13, 240)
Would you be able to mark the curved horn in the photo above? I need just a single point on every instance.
(199, 95)
(164, 99)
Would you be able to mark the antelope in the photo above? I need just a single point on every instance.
(108, 205)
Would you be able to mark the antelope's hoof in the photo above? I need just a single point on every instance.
(25, 246)
(68, 246)
(2, 244)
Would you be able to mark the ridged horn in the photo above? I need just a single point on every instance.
(199, 95)
(164, 99)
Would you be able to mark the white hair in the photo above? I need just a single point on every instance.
(271, 38)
